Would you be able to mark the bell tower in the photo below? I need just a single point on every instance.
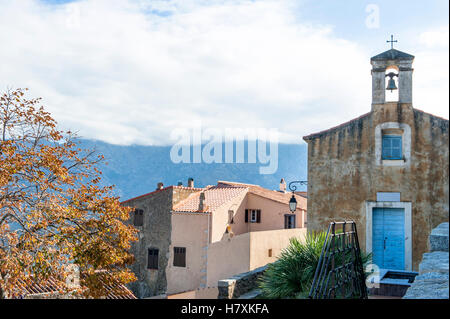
(401, 64)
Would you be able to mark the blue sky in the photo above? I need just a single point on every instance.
(401, 17)
(132, 71)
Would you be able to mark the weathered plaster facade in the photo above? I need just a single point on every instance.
(345, 169)
(157, 207)
(214, 246)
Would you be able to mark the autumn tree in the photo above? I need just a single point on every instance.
(53, 210)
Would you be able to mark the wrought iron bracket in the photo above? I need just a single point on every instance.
(293, 188)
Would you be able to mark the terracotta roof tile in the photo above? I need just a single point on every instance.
(303, 194)
(115, 290)
(267, 193)
(22, 289)
(162, 190)
(214, 197)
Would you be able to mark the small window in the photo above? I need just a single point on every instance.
(230, 217)
(179, 256)
(270, 252)
(391, 147)
(153, 258)
(138, 217)
(289, 221)
(254, 216)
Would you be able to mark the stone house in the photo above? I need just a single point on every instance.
(191, 237)
(387, 170)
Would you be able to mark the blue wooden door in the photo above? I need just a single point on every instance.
(388, 238)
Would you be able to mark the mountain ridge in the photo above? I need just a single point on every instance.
(136, 169)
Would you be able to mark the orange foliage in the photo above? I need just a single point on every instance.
(53, 211)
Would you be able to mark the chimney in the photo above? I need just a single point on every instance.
(201, 206)
(191, 182)
(283, 185)
(73, 278)
(160, 186)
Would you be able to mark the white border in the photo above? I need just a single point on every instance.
(406, 144)
(408, 227)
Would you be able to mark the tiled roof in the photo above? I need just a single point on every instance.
(335, 128)
(53, 286)
(115, 290)
(303, 194)
(267, 193)
(432, 115)
(22, 288)
(343, 125)
(162, 190)
(393, 54)
(214, 197)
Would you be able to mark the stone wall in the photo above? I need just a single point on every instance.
(344, 172)
(157, 209)
(238, 285)
(155, 232)
(433, 281)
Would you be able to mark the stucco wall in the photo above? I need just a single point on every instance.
(220, 217)
(344, 174)
(276, 240)
(189, 230)
(245, 252)
(272, 213)
(228, 257)
(155, 233)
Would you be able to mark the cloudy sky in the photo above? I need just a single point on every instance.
(132, 71)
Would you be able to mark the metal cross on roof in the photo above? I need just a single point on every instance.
(392, 41)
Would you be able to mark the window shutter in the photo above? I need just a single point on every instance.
(246, 215)
(183, 257)
(397, 148)
(391, 147)
(258, 216)
(179, 257)
(152, 259)
(138, 217)
(386, 148)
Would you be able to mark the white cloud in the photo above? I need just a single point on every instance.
(435, 38)
(132, 71)
(431, 72)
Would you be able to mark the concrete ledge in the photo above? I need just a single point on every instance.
(431, 285)
(439, 238)
(436, 261)
(251, 295)
(433, 281)
(241, 284)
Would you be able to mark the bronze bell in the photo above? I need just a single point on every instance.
(391, 84)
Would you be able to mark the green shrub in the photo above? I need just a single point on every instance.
(292, 274)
